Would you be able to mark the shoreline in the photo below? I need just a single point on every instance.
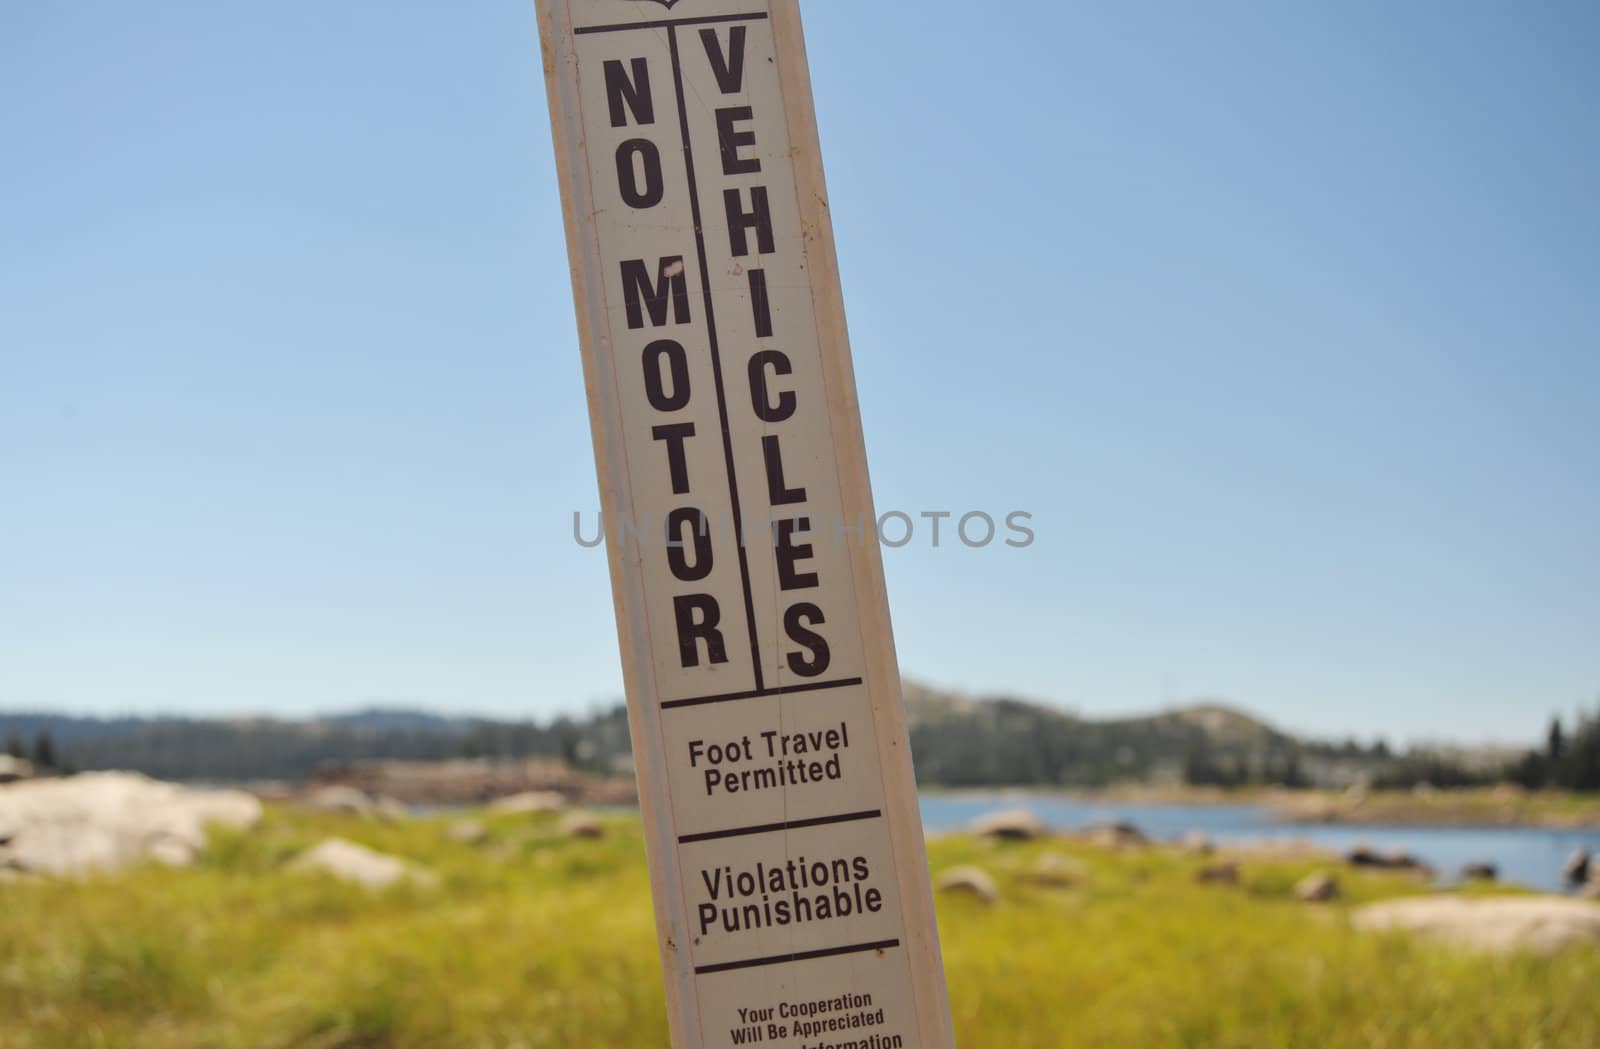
(1500, 807)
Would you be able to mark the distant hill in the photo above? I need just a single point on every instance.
(958, 740)
(1222, 722)
(1001, 741)
(924, 703)
(397, 719)
(265, 749)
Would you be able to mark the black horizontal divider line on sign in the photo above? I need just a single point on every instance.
(759, 693)
(664, 23)
(768, 828)
(800, 956)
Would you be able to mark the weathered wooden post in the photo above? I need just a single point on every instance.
(786, 853)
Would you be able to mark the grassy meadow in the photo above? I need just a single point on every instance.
(532, 939)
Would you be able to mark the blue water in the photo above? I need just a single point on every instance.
(1530, 856)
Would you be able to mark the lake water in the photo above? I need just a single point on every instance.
(1530, 856)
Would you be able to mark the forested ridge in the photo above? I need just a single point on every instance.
(958, 741)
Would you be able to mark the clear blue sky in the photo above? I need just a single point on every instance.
(1282, 319)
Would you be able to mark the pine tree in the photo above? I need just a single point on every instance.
(14, 746)
(44, 751)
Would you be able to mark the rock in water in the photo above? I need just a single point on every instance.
(357, 863)
(1576, 869)
(1320, 887)
(104, 821)
(1500, 924)
(1366, 856)
(970, 881)
(1010, 825)
(1480, 872)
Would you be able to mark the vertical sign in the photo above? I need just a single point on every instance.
(786, 853)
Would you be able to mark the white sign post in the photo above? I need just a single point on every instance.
(785, 846)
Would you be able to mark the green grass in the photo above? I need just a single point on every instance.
(532, 940)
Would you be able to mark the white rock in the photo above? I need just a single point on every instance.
(1319, 887)
(1055, 871)
(467, 832)
(104, 821)
(1541, 924)
(340, 798)
(1013, 824)
(357, 863)
(14, 768)
(530, 801)
(1117, 836)
(583, 825)
(973, 881)
(391, 809)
